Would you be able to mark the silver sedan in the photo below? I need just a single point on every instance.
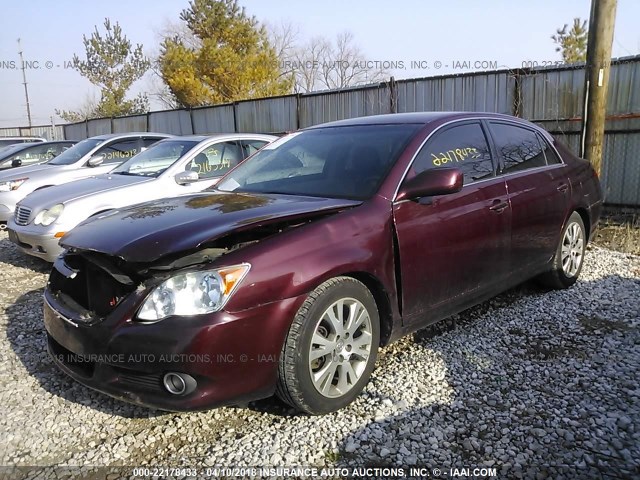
(180, 165)
(89, 157)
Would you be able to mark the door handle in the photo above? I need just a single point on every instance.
(498, 206)
(563, 187)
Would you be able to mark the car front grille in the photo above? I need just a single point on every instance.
(22, 215)
(91, 287)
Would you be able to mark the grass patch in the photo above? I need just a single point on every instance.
(620, 231)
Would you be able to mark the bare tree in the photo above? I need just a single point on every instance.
(346, 65)
(284, 37)
(85, 111)
(159, 92)
(321, 64)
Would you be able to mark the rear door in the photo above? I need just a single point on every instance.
(453, 248)
(539, 193)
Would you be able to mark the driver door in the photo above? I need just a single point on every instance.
(453, 248)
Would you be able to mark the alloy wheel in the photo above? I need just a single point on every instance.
(340, 347)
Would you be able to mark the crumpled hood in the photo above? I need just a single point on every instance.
(70, 191)
(149, 231)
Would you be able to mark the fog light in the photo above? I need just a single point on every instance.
(174, 383)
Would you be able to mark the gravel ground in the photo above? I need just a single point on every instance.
(536, 384)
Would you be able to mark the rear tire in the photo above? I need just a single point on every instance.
(569, 256)
(331, 347)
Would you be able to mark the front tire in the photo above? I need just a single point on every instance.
(569, 256)
(331, 347)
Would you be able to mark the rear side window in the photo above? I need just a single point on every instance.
(549, 153)
(119, 152)
(461, 146)
(519, 148)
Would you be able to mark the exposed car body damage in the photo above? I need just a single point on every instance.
(188, 223)
(287, 257)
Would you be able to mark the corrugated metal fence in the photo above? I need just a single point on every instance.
(50, 132)
(551, 97)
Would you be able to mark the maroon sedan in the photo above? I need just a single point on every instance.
(307, 257)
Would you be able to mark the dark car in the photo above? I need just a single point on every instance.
(6, 141)
(24, 154)
(311, 254)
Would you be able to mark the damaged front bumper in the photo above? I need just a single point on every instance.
(224, 358)
(233, 358)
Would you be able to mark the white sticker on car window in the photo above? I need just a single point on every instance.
(230, 185)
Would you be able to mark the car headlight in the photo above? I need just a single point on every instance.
(12, 184)
(193, 293)
(47, 217)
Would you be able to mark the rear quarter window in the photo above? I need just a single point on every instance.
(549, 153)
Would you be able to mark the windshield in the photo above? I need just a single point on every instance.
(156, 159)
(335, 162)
(75, 153)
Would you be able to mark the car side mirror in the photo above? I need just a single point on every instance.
(187, 177)
(95, 161)
(16, 163)
(441, 181)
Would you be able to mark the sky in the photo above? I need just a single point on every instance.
(442, 37)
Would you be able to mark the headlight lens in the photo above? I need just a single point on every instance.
(12, 184)
(47, 217)
(193, 293)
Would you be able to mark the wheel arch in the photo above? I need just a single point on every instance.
(586, 219)
(380, 295)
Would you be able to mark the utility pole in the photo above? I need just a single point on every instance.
(24, 82)
(53, 129)
(601, 25)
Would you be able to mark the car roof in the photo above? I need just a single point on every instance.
(213, 136)
(111, 136)
(23, 146)
(420, 118)
(37, 139)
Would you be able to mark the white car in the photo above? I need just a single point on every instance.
(89, 157)
(175, 166)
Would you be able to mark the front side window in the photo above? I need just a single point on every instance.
(333, 162)
(461, 146)
(250, 147)
(216, 160)
(518, 147)
(156, 159)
